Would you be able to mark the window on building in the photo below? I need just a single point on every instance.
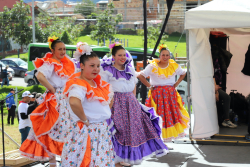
(190, 5)
(103, 6)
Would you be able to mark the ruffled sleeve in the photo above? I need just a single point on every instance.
(104, 75)
(147, 71)
(134, 76)
(180, 71)
(46, 69)
(77, 92)
(64, 69)
(102, 92)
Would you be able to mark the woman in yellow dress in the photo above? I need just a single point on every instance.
(163, 96)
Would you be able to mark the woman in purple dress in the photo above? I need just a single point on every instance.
(136, 128)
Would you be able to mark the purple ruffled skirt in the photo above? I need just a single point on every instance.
(135, 129)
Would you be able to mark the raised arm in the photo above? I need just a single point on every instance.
(42, 79)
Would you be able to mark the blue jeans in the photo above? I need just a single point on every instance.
(3, 81)
(24, 133)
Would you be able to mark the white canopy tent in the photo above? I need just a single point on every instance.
(233, 18)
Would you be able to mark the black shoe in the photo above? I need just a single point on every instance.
(247, 137)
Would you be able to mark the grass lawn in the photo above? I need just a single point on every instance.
(136, 41)
(13, 132)
(133, 41)
(23, 56)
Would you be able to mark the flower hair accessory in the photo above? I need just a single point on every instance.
(52, 39)
(82, 48)
(111, 46)
(162, 46)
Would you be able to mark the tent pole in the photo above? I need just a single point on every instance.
(143, 87)
(188, 81)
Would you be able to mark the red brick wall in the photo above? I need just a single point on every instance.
(8, 3)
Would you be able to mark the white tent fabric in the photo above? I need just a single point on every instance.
(231, 17)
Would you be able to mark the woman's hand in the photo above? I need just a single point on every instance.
(86, 122)
(217, 96)
(217, 87)
(176, 84)
(53, 90)
(111, 103)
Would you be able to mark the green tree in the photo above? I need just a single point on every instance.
(153, 34)
(39, 34)
(66, 38)
(4, 28)
(86, 7)
(57, 26)
(20, 30)
(106, 23)
(92, 16)
(15, 24)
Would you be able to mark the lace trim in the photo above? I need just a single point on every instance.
(112, 78)
(145, 108)
(59, 71)
(35, 158)
(92, 93)
(162, 76)
(138, 162)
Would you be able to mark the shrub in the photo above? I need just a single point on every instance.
(66, 38)
(35, 88)
(140, 32)
(175, 34)
(127, 31)
(87, 30)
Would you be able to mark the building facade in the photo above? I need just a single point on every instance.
(132, 11)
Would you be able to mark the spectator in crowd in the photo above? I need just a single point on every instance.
(24, 122)
(223, 97)
(11, 107)
(33, 99)
(5, 76)
(33, 106)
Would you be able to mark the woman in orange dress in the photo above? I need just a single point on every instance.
(88, 102)
(50, 120)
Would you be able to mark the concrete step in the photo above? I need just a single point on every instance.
(231, 140)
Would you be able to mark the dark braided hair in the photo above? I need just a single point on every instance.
(85, 57)
(115, 49)
(53, 44)
(164, 49)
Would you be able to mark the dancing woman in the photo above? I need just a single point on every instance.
(88, 98)
(163, 95)
(50, 120)
(136, 133)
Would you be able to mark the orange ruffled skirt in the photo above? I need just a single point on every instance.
(50, 125)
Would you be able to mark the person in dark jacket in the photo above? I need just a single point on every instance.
(34, 105)
(33, 99)
(11, 107)
(5, 76)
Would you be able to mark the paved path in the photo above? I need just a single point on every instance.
(188, 155)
